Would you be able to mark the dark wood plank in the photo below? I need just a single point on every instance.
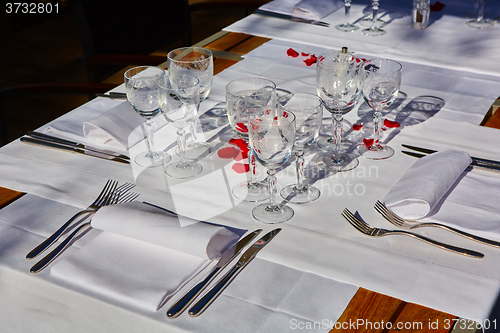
(228, 41)
(249, 45)
(416, 318)
(494, 120)
(7, 196)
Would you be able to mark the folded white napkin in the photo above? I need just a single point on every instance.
(420, 190)
(143, 256)
(316, 9)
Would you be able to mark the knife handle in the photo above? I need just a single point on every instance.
(58, 250)
(50, 144)
(176, 309)
(55, 236)
(213, 293)
(43, 136)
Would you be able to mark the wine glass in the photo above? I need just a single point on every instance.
(346, 26)
(480, 22)
(179, 99)
(373, 30)
(339, 84)
(381, 82)
(272, 139)
(141, 84)
(308, 112)
(246, 97)
(198, 62)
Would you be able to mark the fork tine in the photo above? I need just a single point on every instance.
(388, 214)
(102, 194)
(109, 194)
(357, 223)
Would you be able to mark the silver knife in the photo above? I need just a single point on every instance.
(291, 18)
(176, 309)
(43, 136)
(244, 260)
(84, 151)
(473, 163)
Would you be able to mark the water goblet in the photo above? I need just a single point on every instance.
(308, 112)
(381, 82)
(373, 30)
(198, 62)
(141, 85)
(339, 85)
(272, 139)
(179, 99)
(244, 98)
(346, 26)
(480, 22)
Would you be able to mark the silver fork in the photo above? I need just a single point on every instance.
(367, 229)
(407, 224)
(45, 261)
(103, 199)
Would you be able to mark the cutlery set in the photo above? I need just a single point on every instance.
(396, 220)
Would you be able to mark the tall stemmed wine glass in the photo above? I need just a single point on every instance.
(381, 82)
(272, 138)
(179, 98)
(346, 26)
(373, 30)
(198, 62)
(141, 85)
(244, 98)
(339, 84)
(480, 22)
(308, 111)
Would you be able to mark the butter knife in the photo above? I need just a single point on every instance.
(74, 149)
(244, 260)
(43, 136)
(473, 163)
(176, 309)
(290, 18)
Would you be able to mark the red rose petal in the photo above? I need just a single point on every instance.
(357, 127)
(391, 124)
(240, 168)
(438, 6)
(243, 148)
(368, 142)
(292, 53)
(304, 54)
(241, 128)
(311, 60)
(228, 152)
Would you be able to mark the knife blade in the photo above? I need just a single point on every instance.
(244, 260)
(290, 18)
(473, 163)
(176, 309)
(46, 137)
(72, 149)
(479, 161)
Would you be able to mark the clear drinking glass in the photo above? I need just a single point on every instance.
(381, 82)
(308, 112)
(339, 85)
(480, 22)
(272, 139)
(373, 30)
(244, 98)
(179, 99)
(141, 85)
(198, 62)
(346, 26)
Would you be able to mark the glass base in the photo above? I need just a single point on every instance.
(479, 24)
(183, 170)
(329, 145)
(376, 151)
(278, 213)
(346, 27)
(306, 194)
(153, 159)
(336, 163)
(251, 192)
(373, 31)
(197, 151)
(368, 22)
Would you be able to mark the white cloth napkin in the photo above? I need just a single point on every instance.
(425, 184)
(316, 9)
(143, 256)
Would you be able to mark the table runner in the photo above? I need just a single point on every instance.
(329, 246)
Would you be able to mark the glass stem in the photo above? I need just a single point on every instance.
(480, 12)
(192, 129)
(377, 128)
(337, 132)
(347, 11)
(374, 13)
(299, 166)
(251, 165)
(149, 129)
(272, 182)
(181, 142)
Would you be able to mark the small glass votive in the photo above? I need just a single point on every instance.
(420, 14)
